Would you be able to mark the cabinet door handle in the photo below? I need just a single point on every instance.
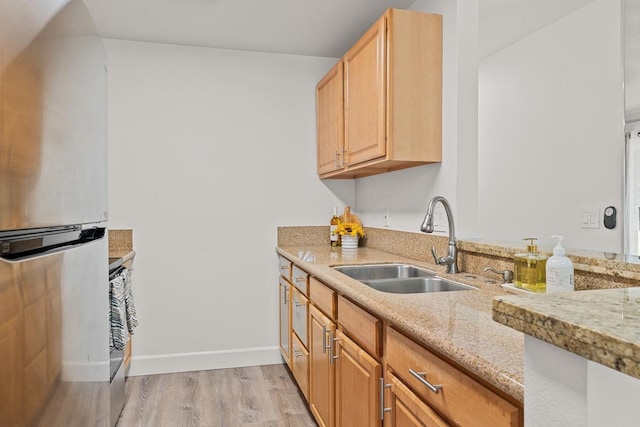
(344, 157)
(332, 348)
(421, 376)
(382, 408)
(324, 339)
(336, 159)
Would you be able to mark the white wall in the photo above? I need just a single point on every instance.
(564, 389)
(209, 151)
(550, 131)
(407, 192)
(554, 94)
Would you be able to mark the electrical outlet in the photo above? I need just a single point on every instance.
(386, 218)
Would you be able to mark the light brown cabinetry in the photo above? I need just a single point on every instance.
(392, 99)
(322, 373)
(294, 324)
(285, 320)
(364, 98)
(337, 357)
(457, 397)
(406, 409)
(330, 121)
(300, 364)
(299, 343)
(364, 328)
(284, 298)
(357, 385)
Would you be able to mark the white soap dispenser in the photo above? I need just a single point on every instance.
(559, 270)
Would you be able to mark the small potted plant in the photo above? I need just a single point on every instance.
(350, 233)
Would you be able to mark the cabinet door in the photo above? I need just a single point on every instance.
(364, 70)
(300, 365)
(406, 409)
(285, 320)
(321, 367)
(330, 120)
(357, 385)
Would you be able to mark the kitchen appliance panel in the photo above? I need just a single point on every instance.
(54, 293)
(53, 330)
(53, 125)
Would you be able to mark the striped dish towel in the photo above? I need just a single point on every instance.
(122, 316)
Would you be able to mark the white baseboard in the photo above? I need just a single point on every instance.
(186, 362)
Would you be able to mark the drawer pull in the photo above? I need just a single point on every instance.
(299, 279)
(382, 408)
(298, 353)
(421, 376)
(299, 304)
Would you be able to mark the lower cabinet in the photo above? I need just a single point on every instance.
(336, 354)
(458, 398)
(321, 367)
(406, 409)
(357, 385)
(285, 320)
(300, 364)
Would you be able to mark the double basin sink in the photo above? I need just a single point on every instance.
(400, 278)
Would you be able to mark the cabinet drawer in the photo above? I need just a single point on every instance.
(407, 409)
(300, 365)
(284, 267)
(300, 279)
(322, 297)
(462, 400)
(361, 326)
(300, 315)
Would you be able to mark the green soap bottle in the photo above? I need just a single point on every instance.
(530, 269)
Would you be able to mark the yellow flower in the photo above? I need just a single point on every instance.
(350, 228)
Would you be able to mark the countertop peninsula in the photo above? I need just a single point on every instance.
(458, 325)
(600, 325)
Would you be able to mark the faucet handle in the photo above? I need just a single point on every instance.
(507, 275)
(435, 256)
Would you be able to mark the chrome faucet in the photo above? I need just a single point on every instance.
(451, 260)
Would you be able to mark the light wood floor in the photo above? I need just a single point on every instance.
(252, 396)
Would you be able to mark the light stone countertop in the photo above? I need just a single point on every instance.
(609, 263)
(457, 325)
(600, 325)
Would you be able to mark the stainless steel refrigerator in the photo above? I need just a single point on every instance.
(54, 290)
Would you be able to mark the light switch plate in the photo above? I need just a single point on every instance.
(589, 218)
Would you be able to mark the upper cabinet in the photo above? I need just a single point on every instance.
(380, 108)
(330, 121)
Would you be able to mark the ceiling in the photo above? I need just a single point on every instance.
(317, 28)
(324, 28)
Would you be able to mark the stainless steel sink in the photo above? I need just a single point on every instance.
(383, 271)
(416, 285)
(400, 278)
